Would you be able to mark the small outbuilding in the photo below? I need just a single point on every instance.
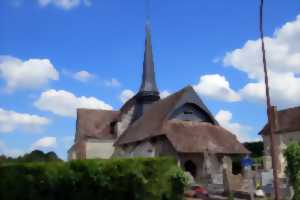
(287, 131)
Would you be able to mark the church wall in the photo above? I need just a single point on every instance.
(197, 159)
(164, 147)
(143, 149)
(140, 149)
(208, 167)
(77, 151)
(159, 146)
(99, 149)
(123, 124)
(72, 155)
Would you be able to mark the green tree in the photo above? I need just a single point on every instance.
(34, 156)
(292, 155)
(256, 148)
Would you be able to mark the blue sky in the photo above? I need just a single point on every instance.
(57, 55)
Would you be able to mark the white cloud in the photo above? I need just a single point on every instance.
(29, 74)
(126, 95)
(65, 4)
(65, 103)
(164, 94)
(11, 120)
(83, 76)
(45, 142)
(283, 59)
(224, 117)
(216, 87)
(112, 83)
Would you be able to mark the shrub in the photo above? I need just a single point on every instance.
(292, 155)
(296, 186)
(115, 179)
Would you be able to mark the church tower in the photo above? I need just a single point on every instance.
(148, 86)
(148, 92)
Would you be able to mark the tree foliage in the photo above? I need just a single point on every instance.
(292, 155)
(256, 148)
(34, 156)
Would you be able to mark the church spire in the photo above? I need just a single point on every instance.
(148, 86)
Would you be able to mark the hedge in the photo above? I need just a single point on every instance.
(292, 155)
(114, 179)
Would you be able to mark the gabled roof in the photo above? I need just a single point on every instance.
(195, 137)
(151, 122)
(95, 123)
(288, 120)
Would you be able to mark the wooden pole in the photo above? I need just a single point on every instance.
(270, 109)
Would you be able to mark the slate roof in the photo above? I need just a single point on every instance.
(155, 122)
(150, 122)
(148, 85)
(288, 120)
(95, 123)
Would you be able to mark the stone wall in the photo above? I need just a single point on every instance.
(197, 159)
(143, 149)
(140, 149)
(209, 167)
(282, 139)
(72, 155)
(164, 147)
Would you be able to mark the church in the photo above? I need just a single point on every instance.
(179, 125)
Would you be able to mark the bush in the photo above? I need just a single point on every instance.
(115, 179)
(292, 155)
(296, 186)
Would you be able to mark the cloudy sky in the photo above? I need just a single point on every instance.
(58, 55)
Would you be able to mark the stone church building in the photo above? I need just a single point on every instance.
(179, 125)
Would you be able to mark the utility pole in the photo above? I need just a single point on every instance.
(271, 111)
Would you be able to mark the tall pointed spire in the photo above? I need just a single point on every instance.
(148, 86)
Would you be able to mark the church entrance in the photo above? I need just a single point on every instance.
(190, 166)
